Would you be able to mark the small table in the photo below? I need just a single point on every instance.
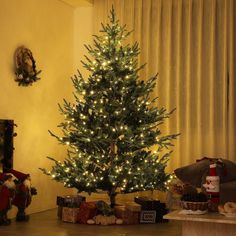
(210, 224)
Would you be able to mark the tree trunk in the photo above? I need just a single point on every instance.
(112, 196)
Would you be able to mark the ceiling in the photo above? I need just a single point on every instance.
(78, 3)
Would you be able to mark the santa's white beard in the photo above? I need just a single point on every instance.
(27, 183)
(10, 184)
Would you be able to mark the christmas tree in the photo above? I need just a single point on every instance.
(112, 128)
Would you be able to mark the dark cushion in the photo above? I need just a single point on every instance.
(228, 192)
(195, 174)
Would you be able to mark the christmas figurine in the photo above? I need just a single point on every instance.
(7, 190)
(24, 193)
(212, 187)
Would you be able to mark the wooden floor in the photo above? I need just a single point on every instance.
(46, 223)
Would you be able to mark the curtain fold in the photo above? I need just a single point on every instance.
(191, 44)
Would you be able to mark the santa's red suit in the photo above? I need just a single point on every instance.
(23, 190)
(7, 189)
(23, 194)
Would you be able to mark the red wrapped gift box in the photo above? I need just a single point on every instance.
(87, 211)
(128, 216)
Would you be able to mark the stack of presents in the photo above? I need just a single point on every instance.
(143, 210)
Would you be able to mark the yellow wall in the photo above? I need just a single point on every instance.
(83, 31)
(47, 28)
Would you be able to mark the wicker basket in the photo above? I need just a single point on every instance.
(194, 206)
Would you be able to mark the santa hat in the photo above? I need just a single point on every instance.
(5, 176)
(19, 175)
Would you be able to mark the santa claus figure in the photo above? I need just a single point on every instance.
(7, 191)
(23, 195)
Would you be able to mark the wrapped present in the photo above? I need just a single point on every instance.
(160, 212)
(132, 206)
(70, 200)
(147, 203)
(59, 212)
(128, 216)
(87, 211)
(120, 212)
(70, 214)
(148, 217)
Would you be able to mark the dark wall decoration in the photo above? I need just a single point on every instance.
(6, 144)
(25, 64)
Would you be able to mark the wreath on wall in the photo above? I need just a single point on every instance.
(25, 71)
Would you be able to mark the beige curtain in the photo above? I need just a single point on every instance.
(192, 45)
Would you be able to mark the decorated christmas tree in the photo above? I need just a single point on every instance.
(112, 129)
